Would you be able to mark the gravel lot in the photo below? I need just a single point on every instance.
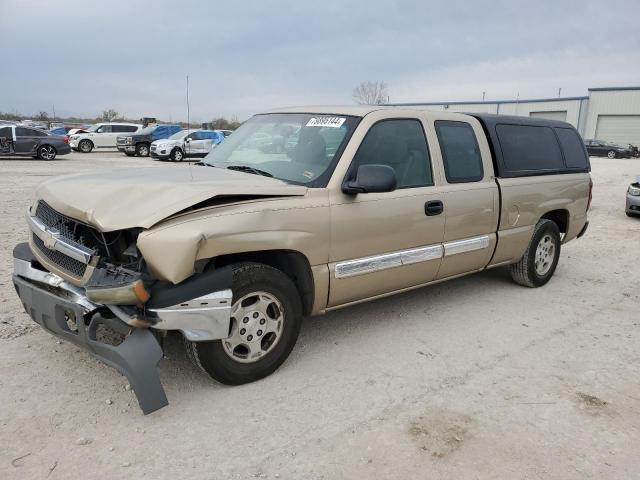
(474, 378)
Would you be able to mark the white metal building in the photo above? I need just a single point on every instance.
(611, 114)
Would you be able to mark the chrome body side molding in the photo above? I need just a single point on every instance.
(466, 245)
(375, 263)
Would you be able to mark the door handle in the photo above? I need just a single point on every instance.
(432, 208)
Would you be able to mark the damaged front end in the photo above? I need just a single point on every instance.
(93, 290)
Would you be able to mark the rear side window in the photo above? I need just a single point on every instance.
(460, 151)
(572, 147)
(128, 128)
(529, 148)
(5, 132)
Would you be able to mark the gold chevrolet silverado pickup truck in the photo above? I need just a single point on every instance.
(299, 212)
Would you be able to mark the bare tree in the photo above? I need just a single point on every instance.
(371, 93)
(43, 116)
(109, 115)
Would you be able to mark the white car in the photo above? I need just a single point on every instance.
(101, 135)
(186, 143)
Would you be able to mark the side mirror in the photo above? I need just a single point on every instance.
(188, 140)
(371, 179)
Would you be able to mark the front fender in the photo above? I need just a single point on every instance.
(171, 250)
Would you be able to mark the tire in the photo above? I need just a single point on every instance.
(612, 154)
(142, 150)
(46, 152)
(632, 215)
(236, 366)
(85, 146)
(177, 155)
(532, 270)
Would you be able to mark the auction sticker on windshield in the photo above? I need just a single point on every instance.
(332, 122)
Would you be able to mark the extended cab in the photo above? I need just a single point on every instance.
(140, 142)
(366, 202)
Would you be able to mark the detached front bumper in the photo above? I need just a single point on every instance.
(64, 310)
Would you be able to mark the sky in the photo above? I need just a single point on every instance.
(248, 56)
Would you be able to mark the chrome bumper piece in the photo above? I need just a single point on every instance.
(203, 318)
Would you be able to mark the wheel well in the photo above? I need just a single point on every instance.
(560, 217)
(293, 264)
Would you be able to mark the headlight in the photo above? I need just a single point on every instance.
(129, 140)
(163, 145)
(634, 190)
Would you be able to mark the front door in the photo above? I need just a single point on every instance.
(384, 242)
(104, 137)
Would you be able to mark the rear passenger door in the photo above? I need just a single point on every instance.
(384, 242)
(26, 140)
(470, 195)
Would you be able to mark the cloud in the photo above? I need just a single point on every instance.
(245, 57)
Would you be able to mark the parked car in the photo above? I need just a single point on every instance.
(101, 135)
(600, 148)
(75, 131)
(18, 140)
(226, 133)
(140, 143)
(186, 144)
(234, 256)
(633, 199)
(66, 130)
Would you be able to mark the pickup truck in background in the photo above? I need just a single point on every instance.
(140, 142)
(368, 201)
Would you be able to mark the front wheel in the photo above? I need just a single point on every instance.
(265, 321)
(46, 152)
(540, 260)
(142, 150)
(85, 146)
(177, 155)
(611, 154)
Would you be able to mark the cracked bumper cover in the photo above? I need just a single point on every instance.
(51, 302)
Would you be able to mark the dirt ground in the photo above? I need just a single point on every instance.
(474, 378)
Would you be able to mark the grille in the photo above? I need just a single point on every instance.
(74, 233)
(69, 228)
(71, 266)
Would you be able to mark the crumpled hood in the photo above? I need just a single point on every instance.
(166, 141)
(142, 197)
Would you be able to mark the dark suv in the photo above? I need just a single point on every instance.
(600, 148)
(24, 141)
(139, 143)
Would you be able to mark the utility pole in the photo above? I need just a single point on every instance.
(54, 112)
(559, 91)
(483, 94)
(188, 109)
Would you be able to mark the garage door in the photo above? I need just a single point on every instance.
(555, 115)
(621, 129)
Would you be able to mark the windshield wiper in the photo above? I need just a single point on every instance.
(248, 169)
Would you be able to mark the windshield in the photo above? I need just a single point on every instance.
(179, 135)
(93, 128)
(295, 147)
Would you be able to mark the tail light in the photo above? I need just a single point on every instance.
(65, 139)
(590, 193)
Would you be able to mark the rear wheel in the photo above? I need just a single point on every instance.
(540, 260)
(266, 318)
(142, 149)
(611, 154)
(46, 152)
(85, 146)
(177, 155)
